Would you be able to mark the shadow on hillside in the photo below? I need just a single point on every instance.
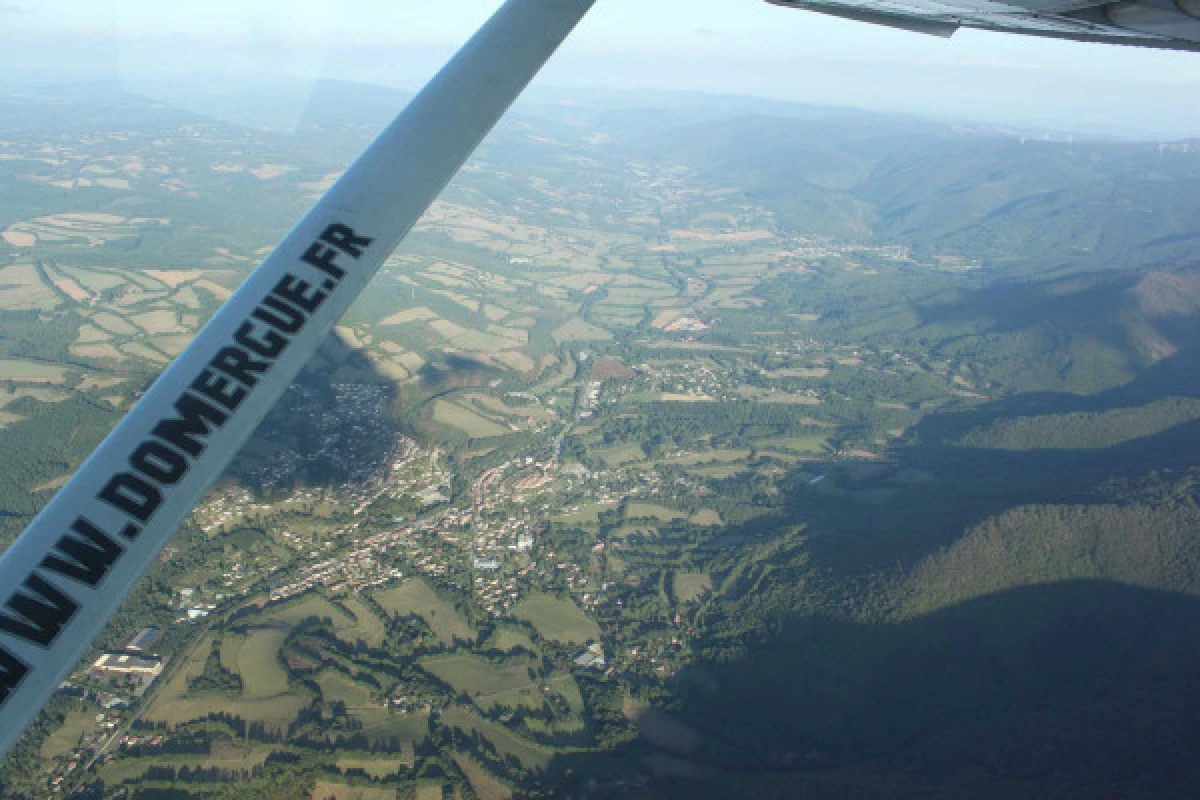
(453, 370)
(1067, 690)
(1111, 309)
(871, 516)
(1175, 376)
(333, 425)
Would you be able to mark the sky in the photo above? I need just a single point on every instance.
(719, 46)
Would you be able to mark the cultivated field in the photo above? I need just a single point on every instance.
(557, 619)
(416, 597)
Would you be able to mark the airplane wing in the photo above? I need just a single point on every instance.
(1163, 24)
(65, 576)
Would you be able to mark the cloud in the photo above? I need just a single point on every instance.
(13, 8)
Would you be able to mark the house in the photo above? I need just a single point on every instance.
(592, 657)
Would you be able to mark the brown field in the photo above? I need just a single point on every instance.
(112, 183)
(19, 238)
(608, 367)
(740, 236)
(674, 397)
(448, 329)
(462, 300)
(42, 395)
(665, 318)
(799, 372)
(495, 313)
(513, 359)
(98, 350)
(100, 382)
(22, 288)
(71, 289)
(143, 351)
(174, 277)
(154, 322)
(268, 171)
(172, 345)
(52, 484)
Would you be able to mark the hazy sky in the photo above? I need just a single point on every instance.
(728, 46)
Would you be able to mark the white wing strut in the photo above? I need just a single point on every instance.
(69, 571)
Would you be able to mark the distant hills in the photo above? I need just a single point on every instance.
(1023, 205)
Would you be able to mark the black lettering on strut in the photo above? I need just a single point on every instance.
(217, 387)
(12, 671)
(237, 364)
(159, 463)
(343, 238)
(299, 292)
(84, 555)
(292, 321)
(322, 258)
(269, 345)
(129, 493)
(40, 614)
(196, 419)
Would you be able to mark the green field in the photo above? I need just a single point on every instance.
(337, 687)
(266, 698)
(308, 605)
(367, 625)
(477, 677)
(257, 661)
(557, 619)
(507, 639)
(620, 456)
(31, 371)
(469, 422)
(728, 456)
(416, 597)
(375, 767)
(486, 785)
(690, 586)
(224, 756)
(382, 723)
(586, 514)
(529, 755)
(324, 790)
(63, 740)
(814, 444)
(650, 510)
(577, 330)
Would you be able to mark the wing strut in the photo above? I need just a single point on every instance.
(71, 568)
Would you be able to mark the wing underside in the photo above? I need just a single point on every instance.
(1163, 24)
